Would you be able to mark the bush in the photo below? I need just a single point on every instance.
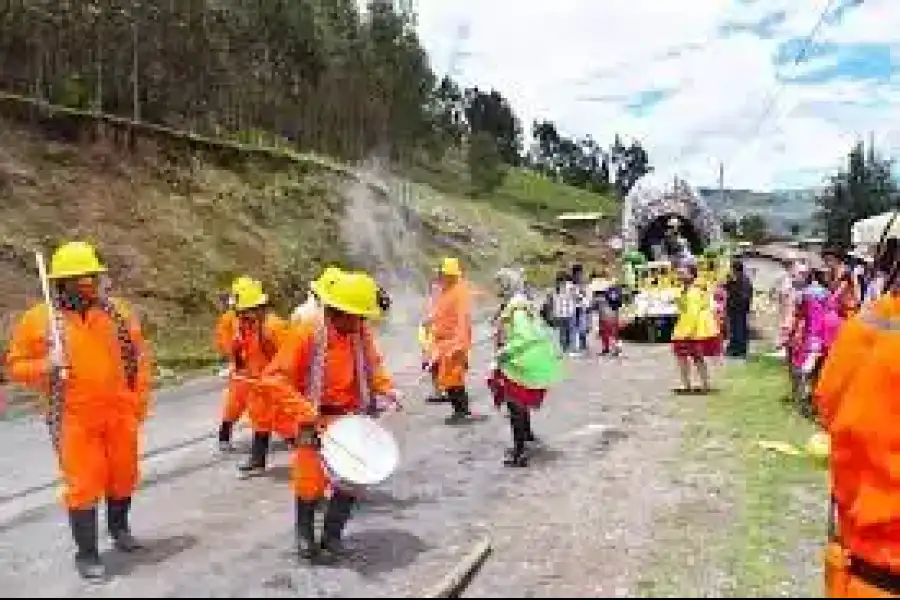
(486, 168)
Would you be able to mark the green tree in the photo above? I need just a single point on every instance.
(863, 189)
(491, 114)
(579, 162)
(486, 165)
(321, 73)
(753, 228)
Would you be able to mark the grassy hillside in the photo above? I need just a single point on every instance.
(523, 192)
(173, 236)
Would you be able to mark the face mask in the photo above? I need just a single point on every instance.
(79, 295)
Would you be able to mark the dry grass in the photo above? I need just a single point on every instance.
(172, 236)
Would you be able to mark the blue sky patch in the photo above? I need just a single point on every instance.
(642, 103)
(858, 62)
(789, 50)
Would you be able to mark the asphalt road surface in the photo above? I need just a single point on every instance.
(576, 522)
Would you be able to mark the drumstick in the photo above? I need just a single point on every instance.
(273, 382)
(55, 335)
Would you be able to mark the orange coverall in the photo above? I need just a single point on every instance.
(340, 392)
(259, 345)
(237, 392)
(100, 416)
(858, 399)
(451, 330)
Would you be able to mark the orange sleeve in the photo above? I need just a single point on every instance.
(293, 357)
(224, 333)
(464, 308)
(277, 330)
(854, 341)
(27, 359)
(381, 379)
(144, 386)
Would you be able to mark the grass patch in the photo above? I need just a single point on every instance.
(781, 499)
(523, 192)
(535, 194)
(764, 536)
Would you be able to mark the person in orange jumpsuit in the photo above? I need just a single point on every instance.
(858, 398)
(335, 366)
(87, 354)
(237, 392)
(451, 330)
(260, 333)
(425, 343)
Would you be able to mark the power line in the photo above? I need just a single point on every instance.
(801, 56)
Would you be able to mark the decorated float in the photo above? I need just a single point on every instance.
(665, 223)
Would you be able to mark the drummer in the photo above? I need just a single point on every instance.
(323, 362)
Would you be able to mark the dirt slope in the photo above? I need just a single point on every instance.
(173, 236)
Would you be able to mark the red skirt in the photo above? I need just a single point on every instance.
(697, 348)
(504, 389)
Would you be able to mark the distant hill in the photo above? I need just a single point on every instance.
(780, 208)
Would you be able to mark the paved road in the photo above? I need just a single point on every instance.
(576, 523)
(212, 535)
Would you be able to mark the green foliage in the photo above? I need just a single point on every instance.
(583, 163)
(753, 228)
(321, 76)
(486, 167)
(864, 188)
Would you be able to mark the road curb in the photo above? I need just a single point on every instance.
(455, 582)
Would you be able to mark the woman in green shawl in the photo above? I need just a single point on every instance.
(527, 362)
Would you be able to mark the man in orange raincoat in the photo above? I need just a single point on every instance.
(450, 322)
(87, 354)
(226, 334)
(260, 333)
(336, 367)
(858, 398)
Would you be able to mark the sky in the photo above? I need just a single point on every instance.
(697, 82)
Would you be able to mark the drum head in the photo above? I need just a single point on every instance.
(359, 450)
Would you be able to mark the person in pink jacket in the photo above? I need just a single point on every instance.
(818, 321)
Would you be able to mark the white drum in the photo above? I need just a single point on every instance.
(358, 450)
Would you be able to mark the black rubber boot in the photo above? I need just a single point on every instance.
(305, 529)
(437, 398)
(117, 523)
(338, 513)
(87, 556)
(259, 451)
(459, 399)
(529, 433)
(225, 431)
(518, 424)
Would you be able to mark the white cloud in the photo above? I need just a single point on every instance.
(582, 62)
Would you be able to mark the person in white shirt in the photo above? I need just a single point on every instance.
(564, 310)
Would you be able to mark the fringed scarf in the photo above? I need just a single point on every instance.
(127, 349)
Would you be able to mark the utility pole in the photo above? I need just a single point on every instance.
(135, 65)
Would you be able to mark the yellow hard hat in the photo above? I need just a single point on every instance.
(351, 293)
(239, 283)
(450, 266)
(330, 273)
(250, 296)
(75, 259)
